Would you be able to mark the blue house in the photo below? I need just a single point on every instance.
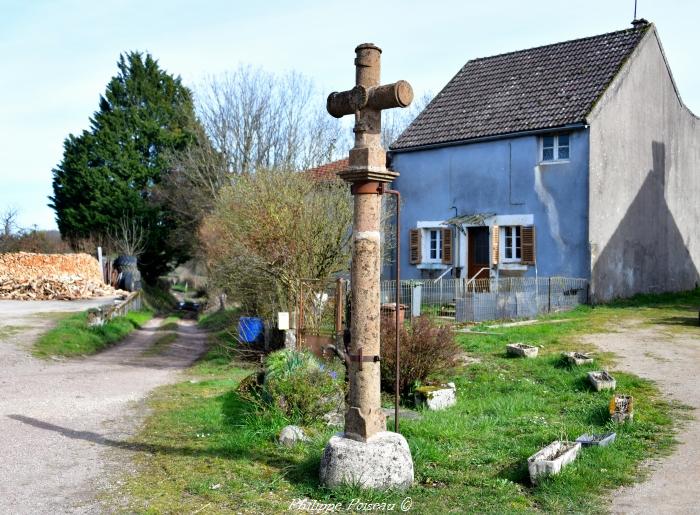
(576, 159)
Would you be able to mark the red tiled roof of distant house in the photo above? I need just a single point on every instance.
(328, 171)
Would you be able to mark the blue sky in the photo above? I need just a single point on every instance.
(58, 56)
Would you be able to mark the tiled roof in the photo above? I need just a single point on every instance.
(328, 170)
(548, 86)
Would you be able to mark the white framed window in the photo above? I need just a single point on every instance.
(512, 244)
(434, 254)
(554, 147)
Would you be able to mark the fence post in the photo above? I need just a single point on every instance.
(549, 295)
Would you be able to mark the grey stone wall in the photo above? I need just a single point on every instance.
(644, 218)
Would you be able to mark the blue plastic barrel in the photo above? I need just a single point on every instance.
(251, 329)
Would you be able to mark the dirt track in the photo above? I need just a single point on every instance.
(64, 424)
(671, 358)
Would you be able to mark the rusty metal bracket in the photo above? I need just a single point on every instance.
(360, 358)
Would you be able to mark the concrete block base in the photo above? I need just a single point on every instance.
(383, 462)
(436, 397)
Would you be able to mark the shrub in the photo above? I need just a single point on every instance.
(301, 387)
(426, 349)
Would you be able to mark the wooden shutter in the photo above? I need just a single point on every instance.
(527, 240)
(414, 243)
(447, 246)
(495, 247)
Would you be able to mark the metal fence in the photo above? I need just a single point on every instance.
(488, 299)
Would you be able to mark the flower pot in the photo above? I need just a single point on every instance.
(552, 459)
(601, 380)
(520, 349)
(596, 440)
(578, 358)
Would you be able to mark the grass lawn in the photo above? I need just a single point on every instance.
(72, 337)
(210, 452)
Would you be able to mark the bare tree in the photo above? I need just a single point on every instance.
(8, 221)
(257, 119)
(129, 237)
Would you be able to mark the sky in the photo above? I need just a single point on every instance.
(57, 56)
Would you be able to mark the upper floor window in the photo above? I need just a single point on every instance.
(554, 148)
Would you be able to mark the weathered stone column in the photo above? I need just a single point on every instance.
(366, 454)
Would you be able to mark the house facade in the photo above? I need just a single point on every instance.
(576, 159)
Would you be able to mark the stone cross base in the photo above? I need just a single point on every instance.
(382, 462)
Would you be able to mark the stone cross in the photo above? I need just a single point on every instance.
(367, 174)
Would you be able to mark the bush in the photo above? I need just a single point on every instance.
(301, 387)
(426, 349)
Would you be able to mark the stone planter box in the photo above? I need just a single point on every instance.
(622, 408)
(552, 459)
(594, 440)
(436, 397)
(578, 358)
(601, 380)
(520, 349)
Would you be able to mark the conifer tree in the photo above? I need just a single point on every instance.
(109, 173)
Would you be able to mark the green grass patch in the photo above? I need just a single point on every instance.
(72, 337)
(161, 344)
(9, 330)
(220, 320)
(170, 323)
(158, 298)
(209, 449)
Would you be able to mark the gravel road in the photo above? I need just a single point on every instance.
(64, 424)
(671, 358)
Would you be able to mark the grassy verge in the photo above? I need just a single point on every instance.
(72, 337)
(210, 452)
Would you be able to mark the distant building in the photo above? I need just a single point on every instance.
(576, 159)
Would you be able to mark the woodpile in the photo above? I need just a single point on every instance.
(26, 276)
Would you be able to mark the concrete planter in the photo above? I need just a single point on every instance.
(436, 397)
(552, 459)
(578, 358)
(594, 440)
(520, 349)
(602, 380)
(622, 408)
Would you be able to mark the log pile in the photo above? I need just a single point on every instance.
(27, 276)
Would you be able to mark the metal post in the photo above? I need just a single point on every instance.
(398, 304)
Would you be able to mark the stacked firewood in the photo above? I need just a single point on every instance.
(26, 276)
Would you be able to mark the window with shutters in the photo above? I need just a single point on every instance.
(431, 247)
(518, 244)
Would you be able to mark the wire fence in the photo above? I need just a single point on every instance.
(488, 299)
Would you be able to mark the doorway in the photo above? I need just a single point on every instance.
(478, 262)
